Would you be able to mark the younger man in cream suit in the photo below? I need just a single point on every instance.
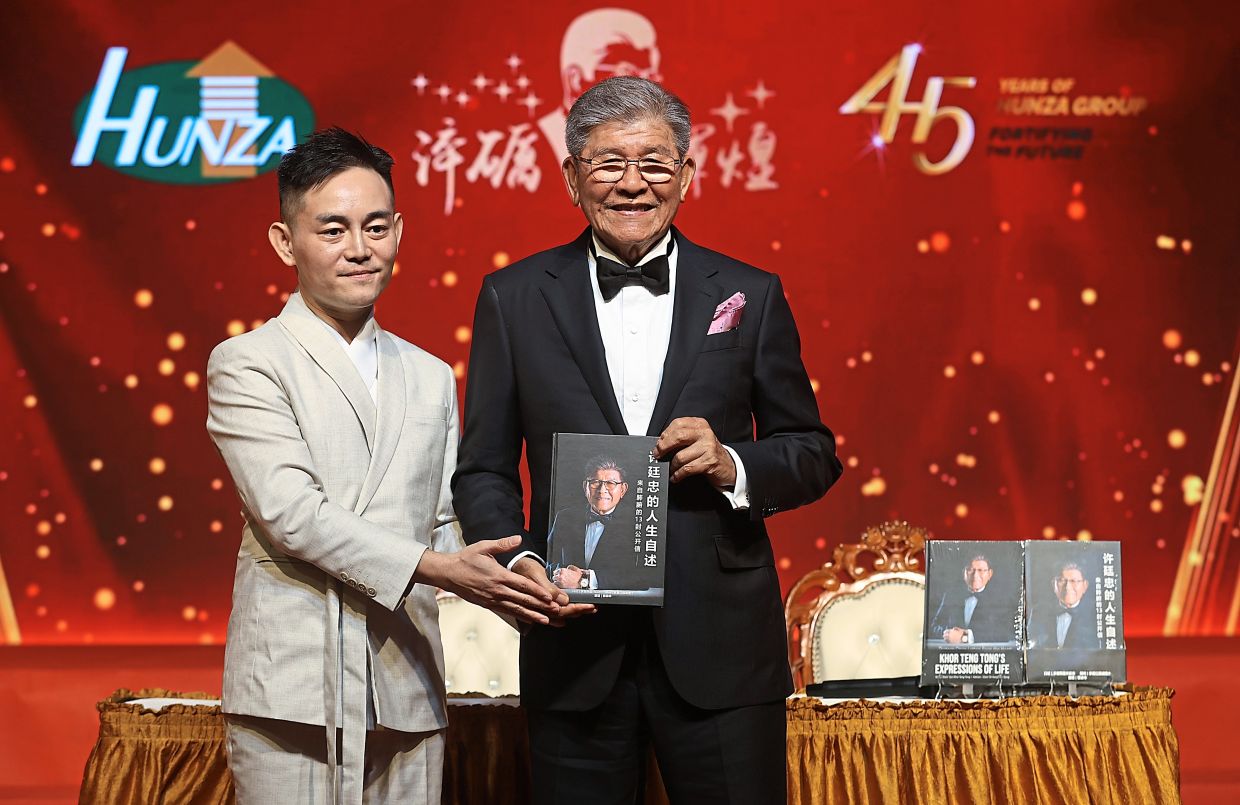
(341, 439)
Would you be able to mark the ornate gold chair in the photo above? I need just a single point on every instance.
(860, 615)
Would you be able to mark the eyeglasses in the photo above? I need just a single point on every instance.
(1074, 582)
(609, 169)
(595, 485)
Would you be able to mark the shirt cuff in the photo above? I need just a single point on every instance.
(593, 580)
(738, 495)
(524, 554)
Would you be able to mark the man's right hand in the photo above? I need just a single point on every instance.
(473, 574)
(533, 570)
(954, 635)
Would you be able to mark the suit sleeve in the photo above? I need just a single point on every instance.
(251, 420)
(447, 535)
(792, 461)
(487, 484)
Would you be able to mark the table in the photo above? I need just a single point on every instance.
(1042, 749)
(1045, 749)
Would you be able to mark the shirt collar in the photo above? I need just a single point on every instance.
(657, 250)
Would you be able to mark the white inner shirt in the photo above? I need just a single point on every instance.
(363, 351)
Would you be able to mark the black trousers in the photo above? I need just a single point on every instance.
(706, 757)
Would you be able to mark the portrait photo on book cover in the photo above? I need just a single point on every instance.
(1075, 628)
(974, 594)
(608, 511)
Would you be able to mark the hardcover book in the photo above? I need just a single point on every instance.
(1075, 626)
(974, 620)
(606, 540)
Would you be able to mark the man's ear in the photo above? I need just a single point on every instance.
(686, 177)
(568, 169)
(281, 238)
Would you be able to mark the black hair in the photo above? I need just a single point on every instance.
(324, 154)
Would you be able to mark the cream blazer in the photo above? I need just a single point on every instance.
(340, 498)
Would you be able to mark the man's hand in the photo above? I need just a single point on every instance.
(533, 570)
(954, 635)
(697, 452)
(568, 578)
(473, 574)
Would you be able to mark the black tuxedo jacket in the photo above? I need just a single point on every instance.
(1082, 632)
(537, 366)
(614, 561)
(993, 621)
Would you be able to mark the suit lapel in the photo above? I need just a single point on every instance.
(570, 298)
(312, 334)
(391, 415)
(697, 296)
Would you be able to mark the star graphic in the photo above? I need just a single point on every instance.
(421, 82)
(444, 92)
(462, 99)
(729, 111)
(760, 94)
(514, 62)
(522, 82)
(480, 82)
(530, 102)
(503, 90)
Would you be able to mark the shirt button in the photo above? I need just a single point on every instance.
(633, 330)
(635, 396)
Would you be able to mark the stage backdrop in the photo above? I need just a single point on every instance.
(1009, 240)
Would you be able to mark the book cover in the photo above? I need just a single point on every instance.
(974, 624)
(606, 540)
(1075, 626)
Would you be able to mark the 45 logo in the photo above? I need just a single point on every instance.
(898, 72)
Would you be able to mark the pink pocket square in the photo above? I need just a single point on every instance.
(728, 314)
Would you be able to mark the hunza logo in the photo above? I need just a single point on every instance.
(221, 119)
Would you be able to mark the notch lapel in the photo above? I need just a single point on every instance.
(570, 299)
(697, 296)
(311, 333)
(391, 415)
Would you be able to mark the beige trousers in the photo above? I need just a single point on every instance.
(282, 761)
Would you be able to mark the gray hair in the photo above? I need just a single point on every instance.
(626, 99)
(604, 463)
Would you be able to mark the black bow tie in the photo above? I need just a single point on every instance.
(594, 517)
(613, 276)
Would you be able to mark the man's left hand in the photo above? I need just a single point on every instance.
(696, 452)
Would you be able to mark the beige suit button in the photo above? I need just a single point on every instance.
(353, 583)
(344, 576)
(370, 591)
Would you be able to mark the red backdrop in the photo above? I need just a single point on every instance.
(1037, 343)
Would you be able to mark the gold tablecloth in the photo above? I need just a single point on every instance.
(1046, 749)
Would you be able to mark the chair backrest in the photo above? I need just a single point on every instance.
(480, 649)
(860, 615)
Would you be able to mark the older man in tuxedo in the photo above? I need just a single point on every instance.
(341, 439)
(634, 329)
(975, 612)
(1067, 620)
(588, 546)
